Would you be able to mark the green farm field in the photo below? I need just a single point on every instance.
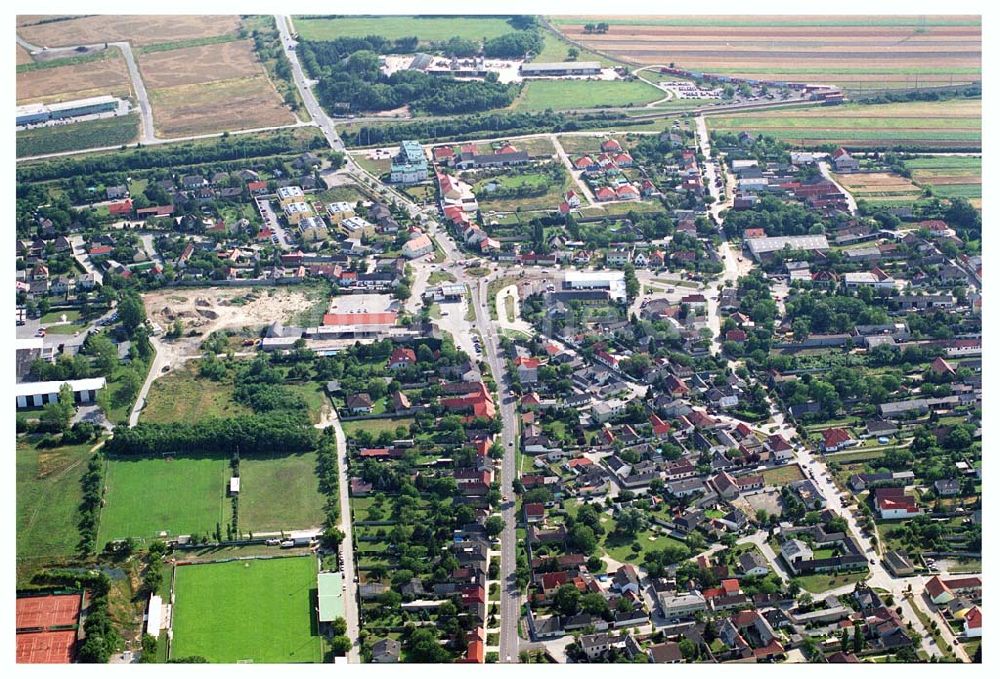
(48, 496)
(942, 124)
(279, 493)
(428, 29)
(950, 176)
(563, 95)
(88, 134)
(146, 495)
(258, 610)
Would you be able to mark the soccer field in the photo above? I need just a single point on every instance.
(180, 495)
(259, 610)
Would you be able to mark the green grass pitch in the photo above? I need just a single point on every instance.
(259, 610)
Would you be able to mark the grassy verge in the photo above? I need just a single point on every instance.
(76, 136)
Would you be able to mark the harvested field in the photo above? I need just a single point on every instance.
(137, 29)
(77, 81)
(202, 64)
(880, 187)
(23, 57)
(426, 28)
(938, 124)
(238, 104)
(866, 53)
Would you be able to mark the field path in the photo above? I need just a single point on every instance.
(582, 186)
(347, 545)
(824, 169)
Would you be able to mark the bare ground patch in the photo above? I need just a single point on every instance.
(202, 64)
(137, 29)
(63, 83)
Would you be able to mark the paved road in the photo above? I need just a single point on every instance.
(824, 169)
(510, 600)
(347, 546)
(160, 359)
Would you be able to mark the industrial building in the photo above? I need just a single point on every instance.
(38, 394)
(560, 68)
(39, 113)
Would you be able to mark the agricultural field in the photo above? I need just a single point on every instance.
(932, 125)
(880, 188)
(243, 103)
(428, 29)
(180, 495)
(183, 396)
(48, 496)
(279, 493)
(950, 176)
(83, 135)
(562, 95)
(137, 29)
(201, 64)
(257, 610)
(23, 56)
(106, 74)
(855, 53)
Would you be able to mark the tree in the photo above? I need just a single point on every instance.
(332, 537)
(56, 416)
(494, 526)
(572, 53)
(131, 312)
(632, 287)
(583, 539)
(567, 599)
(688, 649)
(340, 645)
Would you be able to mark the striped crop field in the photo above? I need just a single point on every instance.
(950, 176)
(853, 52)
(953, 124)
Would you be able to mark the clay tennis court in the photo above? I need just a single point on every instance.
(46, 647)
(58, 610)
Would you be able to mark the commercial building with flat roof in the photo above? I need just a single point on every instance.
(612, 281)
(39, 113)
(763, 247)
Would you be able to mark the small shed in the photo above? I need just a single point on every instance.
(234, 485)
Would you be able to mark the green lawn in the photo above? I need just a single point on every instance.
(780, 476)
(315, 398)
(428, 29)
(82, 135)
(561, 95)
(822, 582)
(72, 315)
(279, 493)
(146, 495)
(183, 396)
(259, 610)
(376, 427)
(48, 497)
(649, 540)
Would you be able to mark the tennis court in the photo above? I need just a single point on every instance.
(46, 647)
(43, 612)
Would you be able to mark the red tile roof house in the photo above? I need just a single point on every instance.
(121, 208)
(894, 503)
(974, 622)
(402, 357)
(943, 591)
(609, 145)
(605, 194)
(584, 163)
(942, 367)
(736, 336)
(836, 438)
(660, 428)
(527, 369)
(479, 402)
(534, 512)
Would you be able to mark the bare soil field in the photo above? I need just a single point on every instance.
(76, 81)
(23, 57)
(202, 64)
(238, 104)
(893, 53)
(137, 29)
(209, 309)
